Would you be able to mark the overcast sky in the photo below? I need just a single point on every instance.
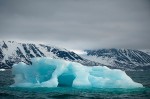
(77, 24)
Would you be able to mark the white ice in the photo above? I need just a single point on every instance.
(2, 69)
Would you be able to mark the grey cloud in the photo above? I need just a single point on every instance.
(77, 24)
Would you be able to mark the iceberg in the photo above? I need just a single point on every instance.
(2, 69)
(47, 72)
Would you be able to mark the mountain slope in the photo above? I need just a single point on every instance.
(120, 58)
(12, 52)
(147, 51)
(126, 59)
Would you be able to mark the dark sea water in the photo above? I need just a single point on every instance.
(6, 92)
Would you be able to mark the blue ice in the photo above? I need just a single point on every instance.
(47, 72)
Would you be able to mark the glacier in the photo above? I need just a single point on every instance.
(48, 72)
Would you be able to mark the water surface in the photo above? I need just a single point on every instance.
(6, 92)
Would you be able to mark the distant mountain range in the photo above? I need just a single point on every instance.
(12, 52)
(126, 59)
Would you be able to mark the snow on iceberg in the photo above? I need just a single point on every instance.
(47, 72)
(2, 69)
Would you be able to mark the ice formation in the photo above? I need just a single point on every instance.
(47, 72)
(2, 69)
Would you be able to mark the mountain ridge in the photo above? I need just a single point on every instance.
(12, 52)
(120, 58)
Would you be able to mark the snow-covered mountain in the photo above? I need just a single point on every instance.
(12, 52)
(147, 51)
(126, 59)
